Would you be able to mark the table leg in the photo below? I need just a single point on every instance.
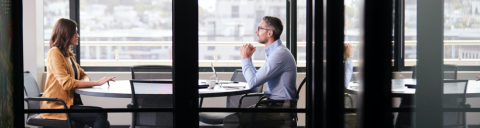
(201, 102)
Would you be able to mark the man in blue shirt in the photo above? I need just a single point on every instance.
(279, 71)
(348, 66)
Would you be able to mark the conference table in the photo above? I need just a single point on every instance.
(122, 89)
(405, 88)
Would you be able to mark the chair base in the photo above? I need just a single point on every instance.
(36, 120)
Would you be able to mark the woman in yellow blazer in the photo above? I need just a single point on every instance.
(64, 75)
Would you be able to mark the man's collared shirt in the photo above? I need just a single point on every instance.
(348, 72)
(279, 72)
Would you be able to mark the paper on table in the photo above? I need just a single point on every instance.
(234, 85)
(400, 89)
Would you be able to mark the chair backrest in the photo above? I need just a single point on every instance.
(31, 90)
(449, 71)
(300, 87)
(151, 71)
(155, 93)
(238, 77)
(454, 97)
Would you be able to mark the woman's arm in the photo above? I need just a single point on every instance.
(87, 84)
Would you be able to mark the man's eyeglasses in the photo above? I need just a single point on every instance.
(258, 29)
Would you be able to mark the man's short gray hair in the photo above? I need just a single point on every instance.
(277, 25)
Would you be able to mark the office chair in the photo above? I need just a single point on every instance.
(155, 93)
(454, 96)
(232, 101)
(245, 100)
(290, 121)
(449, 72)
(33, 98)
(151, 71)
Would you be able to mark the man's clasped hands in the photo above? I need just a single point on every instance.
(247, 50)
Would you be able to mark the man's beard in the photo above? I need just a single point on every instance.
(261, 41)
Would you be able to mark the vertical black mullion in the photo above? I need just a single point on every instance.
(17, 62)
(293, 28)
(334, 109)
(374, 96)
(75, 16)
(309, 65)
(318, 91)
(185, 63)
(288, 25)
(399, 39)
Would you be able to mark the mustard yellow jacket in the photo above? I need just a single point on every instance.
(60, 83)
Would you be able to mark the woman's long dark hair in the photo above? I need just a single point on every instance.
(62, 33)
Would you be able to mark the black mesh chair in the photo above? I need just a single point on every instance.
(449, 72)
(33, 98)
(454, 96)
(290, 121)
(155, 93)
(151, 72)
(243, 101)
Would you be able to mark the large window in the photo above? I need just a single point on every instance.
(124, 33)
(226, 25)
(52, 11)
(461, 25)
(301, 32)
(352, 24)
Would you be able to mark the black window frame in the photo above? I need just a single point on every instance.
(187, 106)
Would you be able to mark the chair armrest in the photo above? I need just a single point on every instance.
(350, 97)
(51, 99)
(46, 99)
(253, 94)
(130, 106)
(465, 105)
(292, 102)
(248, 95)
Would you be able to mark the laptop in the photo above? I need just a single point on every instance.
(204, 84)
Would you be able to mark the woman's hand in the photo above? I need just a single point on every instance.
(89, 84)
(104, 80)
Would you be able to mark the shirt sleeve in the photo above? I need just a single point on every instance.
(348, 71)
(272, 67)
